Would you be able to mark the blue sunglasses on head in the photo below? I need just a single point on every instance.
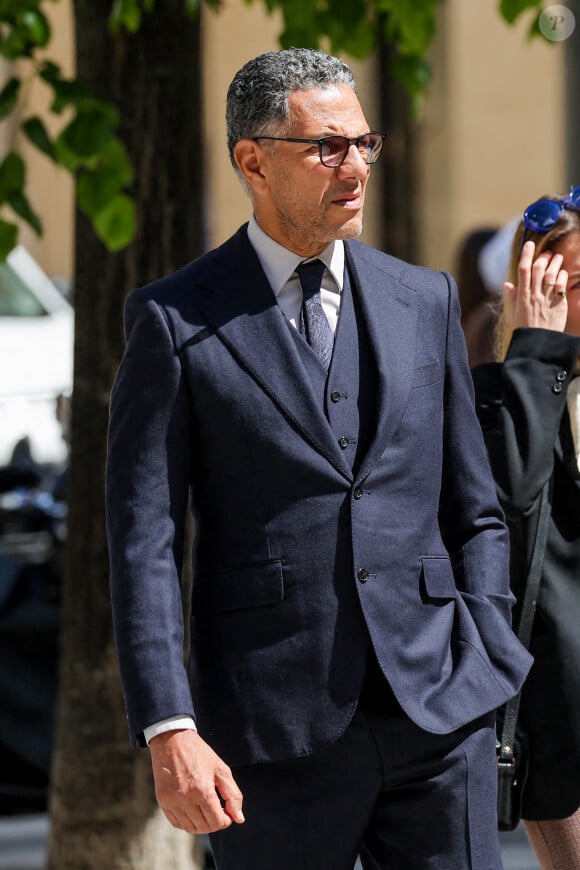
(541, 215)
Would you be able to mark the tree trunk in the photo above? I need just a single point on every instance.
(103, 812)
(399, 164)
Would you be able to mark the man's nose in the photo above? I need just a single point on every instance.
(354, 162)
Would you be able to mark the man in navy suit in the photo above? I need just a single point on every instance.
(350, 617)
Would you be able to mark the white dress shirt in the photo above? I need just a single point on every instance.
(279, 265)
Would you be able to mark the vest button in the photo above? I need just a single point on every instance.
(343, 442)
(363, 575)
(358, 492)
(335, 396)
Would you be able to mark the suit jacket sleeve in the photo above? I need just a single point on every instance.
(148, 476)
(520, 406)
(470, 517)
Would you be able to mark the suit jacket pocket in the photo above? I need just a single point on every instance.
(256, 584)
(437, 579)
(426, 374)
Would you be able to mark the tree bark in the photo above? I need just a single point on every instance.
(102, 807)
(399, 164)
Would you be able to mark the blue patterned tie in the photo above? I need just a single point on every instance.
(314, 325)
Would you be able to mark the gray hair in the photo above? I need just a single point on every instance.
(257, 101)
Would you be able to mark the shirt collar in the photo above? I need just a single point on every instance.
(279, 263)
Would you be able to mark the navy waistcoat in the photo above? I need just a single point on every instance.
(347, 393)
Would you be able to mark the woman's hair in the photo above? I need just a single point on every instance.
(257, 100)
(568, 222)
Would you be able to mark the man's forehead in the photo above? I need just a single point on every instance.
(330, 91)
(335, 102)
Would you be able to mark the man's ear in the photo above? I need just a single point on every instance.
(250, 159)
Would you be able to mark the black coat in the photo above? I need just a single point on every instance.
(523, 412)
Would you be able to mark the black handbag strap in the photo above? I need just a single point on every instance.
(528, 611)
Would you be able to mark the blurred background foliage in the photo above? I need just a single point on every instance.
(88, 144)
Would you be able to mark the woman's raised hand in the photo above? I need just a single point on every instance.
(539, 299)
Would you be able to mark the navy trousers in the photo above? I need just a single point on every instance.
(397, 796)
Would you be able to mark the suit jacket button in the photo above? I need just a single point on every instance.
(561, 376)
(557, 388)
(343, 442)
(363, 575)
(335, 397)
(358, 492)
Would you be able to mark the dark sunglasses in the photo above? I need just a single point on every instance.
(541, 216)
(332, 150)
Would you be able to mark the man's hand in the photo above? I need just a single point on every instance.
(188, 777)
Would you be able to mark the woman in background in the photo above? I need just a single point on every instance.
(529, 408)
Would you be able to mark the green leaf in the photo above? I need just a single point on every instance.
(24, 29)
(116, 224)
(50, 72)
(9, 96)
(36, 133)
(413, 71)
(36, 27)
(66, 93)
(294, 35)
(114, 156)
(86, 104)
(14, 45)
(11, 10)
(510, 10)
(357, 41)
(71, 92)
(21, 206)
(12, 175)
(72, 161)
(127, 14)
(347, 25)
(87, 134)
(99, 195)
(534, 30)
(96, 189)
(411, 26)
(8, 238)
(67, 158)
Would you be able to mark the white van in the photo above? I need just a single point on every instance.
(36, 360)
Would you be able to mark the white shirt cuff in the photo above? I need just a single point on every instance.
(174, 723)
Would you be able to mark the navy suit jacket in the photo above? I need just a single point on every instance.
(293, 577)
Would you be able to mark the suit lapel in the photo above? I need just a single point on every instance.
(390, 312)
(242, 308)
